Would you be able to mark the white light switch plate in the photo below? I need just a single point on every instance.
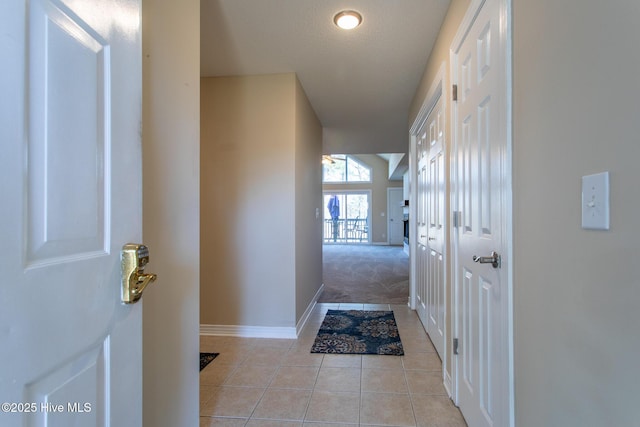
(595, 201)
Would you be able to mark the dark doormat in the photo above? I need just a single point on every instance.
(206, 358)
(358, 332)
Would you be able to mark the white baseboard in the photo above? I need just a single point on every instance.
(249, 331)
(305, 316)
(447, 383)
(262, 331)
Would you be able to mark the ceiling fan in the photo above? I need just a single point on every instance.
(329, 159)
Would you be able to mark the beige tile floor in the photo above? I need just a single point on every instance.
(275, 382)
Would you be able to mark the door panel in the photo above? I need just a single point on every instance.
(435, 326)
(68, 101)
(436, 227)
(394, 213)
(431, 226)
(479, 156)
(71, 184)
(422, 262)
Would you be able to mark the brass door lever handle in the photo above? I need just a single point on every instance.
(142, 281)
(134, 258)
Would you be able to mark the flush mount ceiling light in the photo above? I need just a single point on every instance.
(347, 19)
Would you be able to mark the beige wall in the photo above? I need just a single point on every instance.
(254, 130)
(378, 186)
(308, 198)
(171, 146)
(440, 54)
(576, 110)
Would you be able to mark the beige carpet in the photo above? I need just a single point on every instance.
(365, 274)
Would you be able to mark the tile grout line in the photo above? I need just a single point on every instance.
(281, 361)
(413, 411)
(313, 389)
(361, 396)
(253, 348)
(261, 396)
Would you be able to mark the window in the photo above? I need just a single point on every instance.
(346, 217)
(345, 169)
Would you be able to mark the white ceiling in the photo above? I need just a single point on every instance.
(359, 82)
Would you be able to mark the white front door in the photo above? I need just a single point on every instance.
(436, 222)
(395, 215)
(70, 185)
(482, 198)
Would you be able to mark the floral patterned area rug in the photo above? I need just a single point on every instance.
(206, 358)
(358, 332)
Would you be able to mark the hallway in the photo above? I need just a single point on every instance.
(258, 382)
(367, 274)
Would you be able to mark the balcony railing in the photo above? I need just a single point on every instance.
(349, 230)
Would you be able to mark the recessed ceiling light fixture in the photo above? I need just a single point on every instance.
(347, 19)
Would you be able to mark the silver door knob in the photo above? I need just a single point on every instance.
(495, 259)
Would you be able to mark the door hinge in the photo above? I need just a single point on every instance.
(455, 346)
(454, 92)
(456, 219)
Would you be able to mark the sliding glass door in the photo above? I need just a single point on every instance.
(346, 217)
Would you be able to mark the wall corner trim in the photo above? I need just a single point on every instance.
(246, 331)
(305, 316)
